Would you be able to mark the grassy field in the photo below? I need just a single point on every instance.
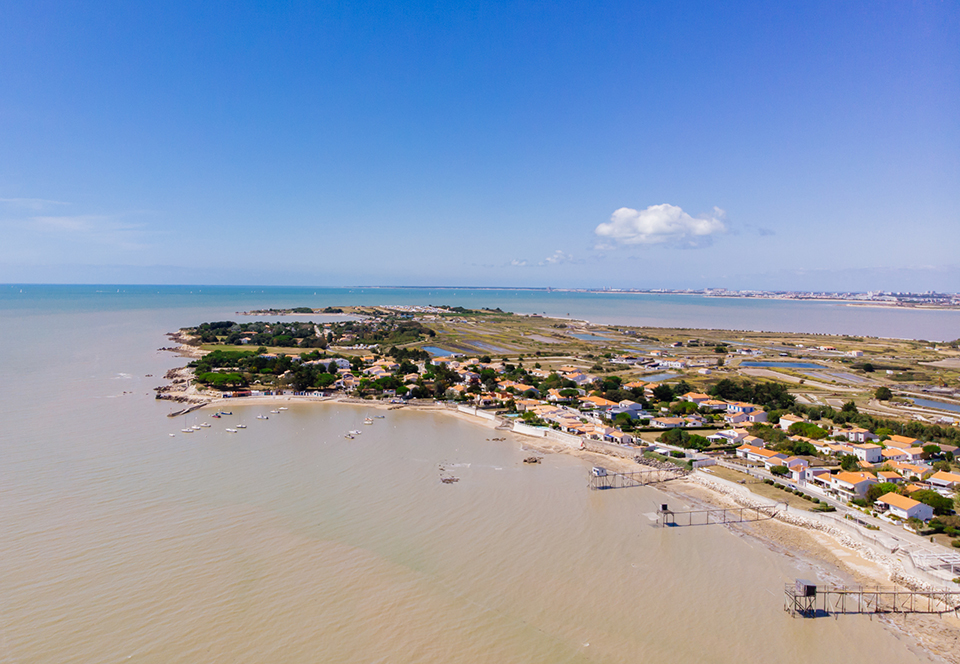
(761, 489)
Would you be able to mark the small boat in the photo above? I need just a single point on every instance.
(187, 430)
(349, 436)
(263, 417)
(173, 435)
(379, 417)
(216, 415)
(368, 421)
(274, 411)
(226, 412)
(355, 432)
(231, 431)
(205, 424)
(282, 408)
(241, 426)
(195, 427)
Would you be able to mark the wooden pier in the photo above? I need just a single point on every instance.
(609, 480)
(668, 517)
(805, 599)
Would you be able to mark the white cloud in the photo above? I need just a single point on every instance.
(516, 262)
(558, 257)
(660, 224)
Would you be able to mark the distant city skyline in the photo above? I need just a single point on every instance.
(803, 146)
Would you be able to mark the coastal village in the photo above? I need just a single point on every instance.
(865, 426)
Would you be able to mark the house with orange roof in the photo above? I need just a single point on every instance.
(819, 477)
(635, 385)
(757, 416)
(759, 454)
(914, 453)
(824, 447)
(786, 421)
(695, 397)
(735, 418)
(668, 422)
(910, 470)
(945, 480)
(554, 396)
(903, 442)
(889, 476)
(792, 463)
(905, 508)
(597, 403)
(850, 485)
(893, 454)
(580, 378)
(855, 434)
(713, 404)
(731, 436)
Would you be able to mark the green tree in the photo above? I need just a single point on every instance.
(883, 393)
(663, 393)
(807, 430)
(930, 451)
(849, 463)
(881, 489)
(940, 504)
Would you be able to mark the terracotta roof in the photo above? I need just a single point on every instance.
(897, 500)
(854, 478)
(945, 476)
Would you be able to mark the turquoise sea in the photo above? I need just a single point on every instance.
(655, 310)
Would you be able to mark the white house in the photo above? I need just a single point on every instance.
(906, 508)
(668, 422)
(852, 485)
(787, 421)
(867, 452)
(944, 480)
(791, 463)
(855, 435)
(729, 436)
(759, 454)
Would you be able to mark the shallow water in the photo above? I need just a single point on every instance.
(287, 542)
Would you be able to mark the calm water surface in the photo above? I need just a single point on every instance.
(656, 310)
(286, 542)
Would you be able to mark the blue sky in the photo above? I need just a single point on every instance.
(744, 145)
